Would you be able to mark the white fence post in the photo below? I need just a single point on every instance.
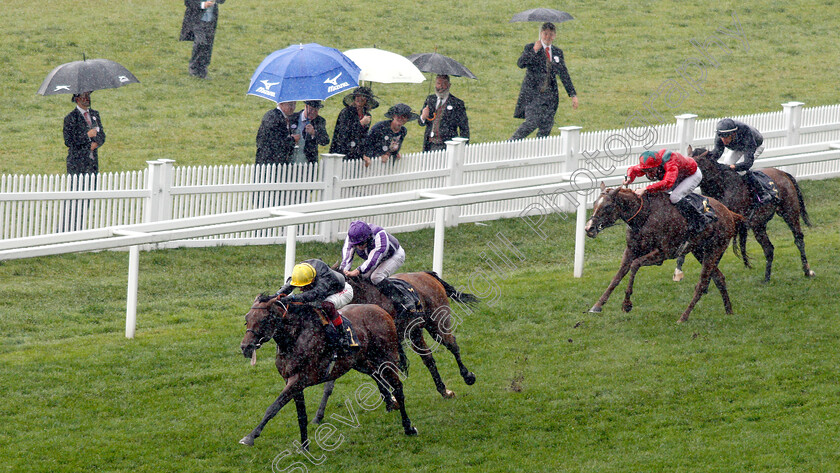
(569, 150)
(793, 122)
(155, 186)
(685, 131)
(131, 296)
(331, 167)
(437, 255)
(166, 182)
(291, 247)
(580, 237)
(456, 152)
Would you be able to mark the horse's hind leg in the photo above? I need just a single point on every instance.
(328, 389)
(442, 328)
(720, 282)
(678, 272)
(418, 344)
(760, 232)
(700, 289)
(792, 220)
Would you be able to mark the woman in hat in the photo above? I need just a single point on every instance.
(385, 138)
(353, 123)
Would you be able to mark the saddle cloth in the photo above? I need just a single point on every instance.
(766, 183)
(701, 205)
(405, 296)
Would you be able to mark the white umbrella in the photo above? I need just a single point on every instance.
(382, 66)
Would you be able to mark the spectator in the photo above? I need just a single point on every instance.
(313, 130)
(386, 137)
(538, 96)
(353, 123)
(444, 116)
(83, 135)
(199, 26)
(276, 138)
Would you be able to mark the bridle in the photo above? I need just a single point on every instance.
(642, 199)
(271, 320)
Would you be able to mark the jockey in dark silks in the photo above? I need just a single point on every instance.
(320, 284)
(746, 145)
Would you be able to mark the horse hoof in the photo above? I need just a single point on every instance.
(317, 420)
(678, 275)
(627, 307)
(448, 394)
(247, 440)
(411, 431)
(595, 310)
(469, 379)
(810, 274)
(684, 318)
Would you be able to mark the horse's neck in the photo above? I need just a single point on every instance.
(631, 206)
(287, 334)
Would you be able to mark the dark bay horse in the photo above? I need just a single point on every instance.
(727, 186)
(304, 360)
(655, 232)
(436, 317)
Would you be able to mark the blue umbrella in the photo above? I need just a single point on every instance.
(304, 72)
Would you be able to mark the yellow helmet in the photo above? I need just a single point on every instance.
(303, 274)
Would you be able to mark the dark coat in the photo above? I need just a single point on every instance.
(78, 142)
(349, 135)
(379, 139)
(453, 123)
(747, 139)
(534, 63)
(274, 138)
(192, 18)
(311, 143)
(326, 283)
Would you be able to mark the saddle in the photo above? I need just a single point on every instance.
(700, 204)
(404, 297)
(766, 185)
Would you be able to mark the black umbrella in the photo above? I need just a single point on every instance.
(86, 76)
(542, 14)
(440, 64)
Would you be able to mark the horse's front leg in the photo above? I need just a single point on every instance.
(293, 387)
(300, 405)
(622, 270)
(328, 389)
(654, 257)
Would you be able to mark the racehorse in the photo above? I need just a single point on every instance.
(655, 232)
(304, 360)
(436, 318)
(724, 184)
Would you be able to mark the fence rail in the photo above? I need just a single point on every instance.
(38, 205)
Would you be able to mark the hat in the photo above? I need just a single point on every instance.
(402, 110)
(364, 92)
(316, 104)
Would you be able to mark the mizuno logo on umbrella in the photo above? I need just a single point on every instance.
(61, 87)
(334, 80)
(123, 78)
(268, 85)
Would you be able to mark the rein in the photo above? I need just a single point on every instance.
(637, 212)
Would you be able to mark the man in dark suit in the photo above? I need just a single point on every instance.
(444, 116)
(278, 135)
(539, 95)
(199, 26)
(313, 131)
(83, 135)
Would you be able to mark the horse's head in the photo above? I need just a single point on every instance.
(262, 322)
(604, 212)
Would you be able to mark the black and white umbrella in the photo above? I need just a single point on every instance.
(542, 15)
(440, 64)
(86, 76)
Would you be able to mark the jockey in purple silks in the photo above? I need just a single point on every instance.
(381, 251)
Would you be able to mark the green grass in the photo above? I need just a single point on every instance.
(558, 389)
(619, 54)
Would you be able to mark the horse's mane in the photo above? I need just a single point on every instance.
(264, 297)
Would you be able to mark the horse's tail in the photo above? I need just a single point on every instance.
(802, 211)
(452, 293)
(742, 227)
(403, 364)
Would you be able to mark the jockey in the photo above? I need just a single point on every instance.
(675, 173)
(320, 284)
(381, 251)
(746, 145)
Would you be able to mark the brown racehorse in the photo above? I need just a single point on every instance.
(724, 184)
(304, 360)
(655, 232)
(436, 318)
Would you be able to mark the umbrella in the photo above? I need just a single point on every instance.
(303, 72)
(542, 14)
(440, 64)
(86, 76)
(383, 66)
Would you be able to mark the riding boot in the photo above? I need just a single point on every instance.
(694, 220)
(760, 195)
(342, 335)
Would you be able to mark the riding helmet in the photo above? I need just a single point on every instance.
(303, 274)
(359, 232)
(726, 126)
